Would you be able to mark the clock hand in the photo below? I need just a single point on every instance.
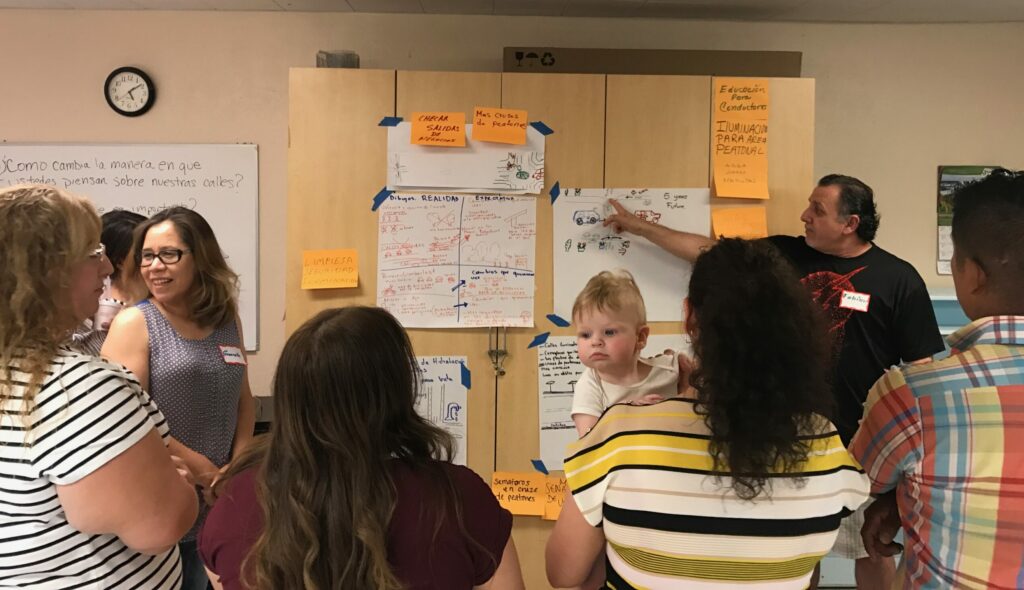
(132, 91)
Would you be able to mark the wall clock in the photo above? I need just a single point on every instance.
(129, 91)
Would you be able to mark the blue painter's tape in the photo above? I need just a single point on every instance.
(380, 198)
(467, 377)
(554, 192)
(558, 320)
(539, 466)
(540, 126)
(389, 122)
(539, 339)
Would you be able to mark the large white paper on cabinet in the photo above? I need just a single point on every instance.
(457, 261)
(558, 369)
(583, 246)
(442, 397)
(479, 167)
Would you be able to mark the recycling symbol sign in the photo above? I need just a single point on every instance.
(547, 59)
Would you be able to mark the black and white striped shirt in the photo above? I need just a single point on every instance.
(87, 412)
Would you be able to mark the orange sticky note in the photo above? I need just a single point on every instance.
(499, 125)
(740, 222)
(554, 497)
(739, 137)
(330, 269)
(438, 129)
(520, 493)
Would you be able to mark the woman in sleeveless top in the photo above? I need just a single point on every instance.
(89, 495)
(124, 288)
(184, 343)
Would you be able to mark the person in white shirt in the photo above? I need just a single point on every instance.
(611, 331)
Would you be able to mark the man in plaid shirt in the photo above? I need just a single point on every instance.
(943, 443)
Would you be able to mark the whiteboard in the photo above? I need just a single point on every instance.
(220, 182)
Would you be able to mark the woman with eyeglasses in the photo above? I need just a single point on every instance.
(89, 495)
(184, 343)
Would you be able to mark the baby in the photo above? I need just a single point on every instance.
(611, 330)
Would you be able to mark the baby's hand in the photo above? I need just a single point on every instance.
(647, 399)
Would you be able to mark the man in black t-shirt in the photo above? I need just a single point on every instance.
(877, 305)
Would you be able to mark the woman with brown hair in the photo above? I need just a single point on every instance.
(89, 496)
(184, 343)
(352, 488)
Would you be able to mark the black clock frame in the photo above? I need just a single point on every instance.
(145, 78)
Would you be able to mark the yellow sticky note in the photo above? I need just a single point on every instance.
(499, 125)
(740, 222)
(739, 137)
(520, 493)
(554, 497)
(330, 269)
(438, 129)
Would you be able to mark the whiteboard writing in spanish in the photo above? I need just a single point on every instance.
(457, 261)
(220, 182)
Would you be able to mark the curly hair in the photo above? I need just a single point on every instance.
(613, 291)
(214, 297)
(344, 412)
(763, 362)
(45, 233)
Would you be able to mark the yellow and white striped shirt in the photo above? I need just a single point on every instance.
(644, 473)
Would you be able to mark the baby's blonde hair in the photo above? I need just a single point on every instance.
(614, 291)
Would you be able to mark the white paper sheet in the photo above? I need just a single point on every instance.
(558, 369)
(479, 167)
(457, 261)
(442, 398)
(583, 247)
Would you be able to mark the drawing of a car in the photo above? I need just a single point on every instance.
(648, 215)
(586, 217)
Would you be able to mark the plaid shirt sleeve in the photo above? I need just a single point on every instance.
(888, 442)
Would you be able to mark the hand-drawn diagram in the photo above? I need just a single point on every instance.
(457, 261)
(479, 167)
(558, 369)
(583, 246)
(442, 398)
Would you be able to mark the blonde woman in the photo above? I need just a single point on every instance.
(89, 496)
(184, 343)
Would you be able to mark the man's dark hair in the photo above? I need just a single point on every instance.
(988, 228)
(855, 198)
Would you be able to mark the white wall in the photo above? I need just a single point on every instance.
(893, 101)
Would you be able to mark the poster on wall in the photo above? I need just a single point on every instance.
(558, 370)
(444, 385)
(457, 261)
(950, 179)
(583, 246)
(476, 167)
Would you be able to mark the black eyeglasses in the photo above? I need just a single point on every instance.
(168, 256)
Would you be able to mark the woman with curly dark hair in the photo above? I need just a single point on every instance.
(739, 480)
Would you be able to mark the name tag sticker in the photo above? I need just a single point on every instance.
(855, 301)
(233, 355)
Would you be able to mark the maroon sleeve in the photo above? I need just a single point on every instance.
(231, 528)
(485, 520)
